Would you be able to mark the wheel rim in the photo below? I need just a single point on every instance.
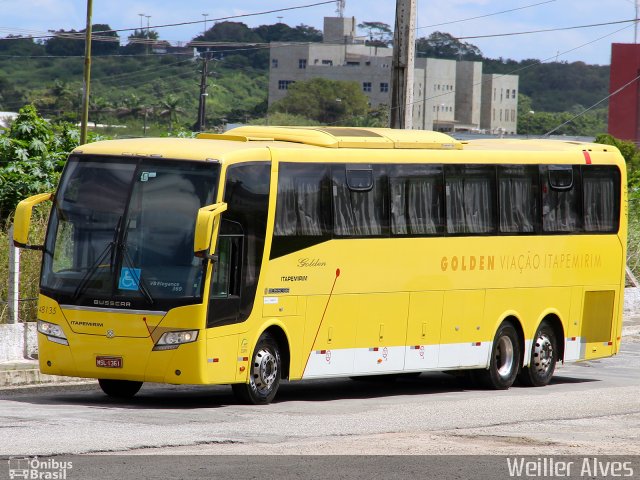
(265, 371)
(504, 357)
(543, 354)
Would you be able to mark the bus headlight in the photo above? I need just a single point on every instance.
(172, 340)
(53, 332)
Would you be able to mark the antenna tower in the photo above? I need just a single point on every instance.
(340, 8)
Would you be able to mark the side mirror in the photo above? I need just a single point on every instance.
(205, 226)
(22, 220)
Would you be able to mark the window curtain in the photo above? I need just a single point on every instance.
(599, 204)
(469, 205)
(517, 205)
(415, 206)
(357, 213)
(559, 211)
(299, 210)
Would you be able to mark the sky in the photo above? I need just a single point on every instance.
(589, 45)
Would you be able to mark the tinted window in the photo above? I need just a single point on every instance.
(416, 199)
(518, 198)
(601, 194)
(470, 199)
(560, 198)
(304, 206)
(358, 211)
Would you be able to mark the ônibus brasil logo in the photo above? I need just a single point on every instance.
(38, 469)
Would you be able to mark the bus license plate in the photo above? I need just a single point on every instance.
(109, 362)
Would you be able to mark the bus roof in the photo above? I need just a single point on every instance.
(244, 142)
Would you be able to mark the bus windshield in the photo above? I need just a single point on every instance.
(121, 232)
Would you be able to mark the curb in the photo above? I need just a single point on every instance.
(27, 372)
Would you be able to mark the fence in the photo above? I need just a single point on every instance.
(13, 308)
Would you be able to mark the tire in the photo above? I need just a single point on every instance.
(264, 374)
(505, 360)
(544, 356)
(119, 388)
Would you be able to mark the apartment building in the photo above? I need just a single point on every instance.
(499, 104)
(448, 95)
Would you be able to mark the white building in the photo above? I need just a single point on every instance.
(448, 95)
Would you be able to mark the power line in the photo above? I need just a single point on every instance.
(80, 35)
(547, 30)
(485, 16)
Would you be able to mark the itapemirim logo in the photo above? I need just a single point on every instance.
(34, 468)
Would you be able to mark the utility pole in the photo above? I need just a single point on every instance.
(404, 49)
(202, 105)
(87, 76)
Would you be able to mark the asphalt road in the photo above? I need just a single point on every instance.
(590, 408)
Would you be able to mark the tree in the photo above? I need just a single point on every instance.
(139, 41)
(170, 109)
(325, 101)
(380, 33)
(71, 43)
(19, 45)
(281, 32)
(444, 45)
(32, 154)
(103, 40)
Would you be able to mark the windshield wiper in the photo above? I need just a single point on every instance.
(108, 250)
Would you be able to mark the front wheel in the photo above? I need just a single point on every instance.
(505, 360)
(264, 374)
(544, 355)
(119, 388)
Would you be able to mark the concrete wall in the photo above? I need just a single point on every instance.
(499, 103)
(434, 94)
(18, 341)
(468, 94)
(339, 30)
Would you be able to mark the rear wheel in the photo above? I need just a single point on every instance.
(505, 360)
(264, 374)
(119, 388)
(544, 355)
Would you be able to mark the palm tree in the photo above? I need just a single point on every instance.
(170, 109)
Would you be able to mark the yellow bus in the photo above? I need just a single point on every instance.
(272, 253)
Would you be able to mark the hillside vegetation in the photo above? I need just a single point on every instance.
(149, 93)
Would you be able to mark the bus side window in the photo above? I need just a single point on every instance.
(518, 187)
(470, 199)
(360, 195)
(417, 205)
(601, 198)
(560, 198)
(303, 208)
